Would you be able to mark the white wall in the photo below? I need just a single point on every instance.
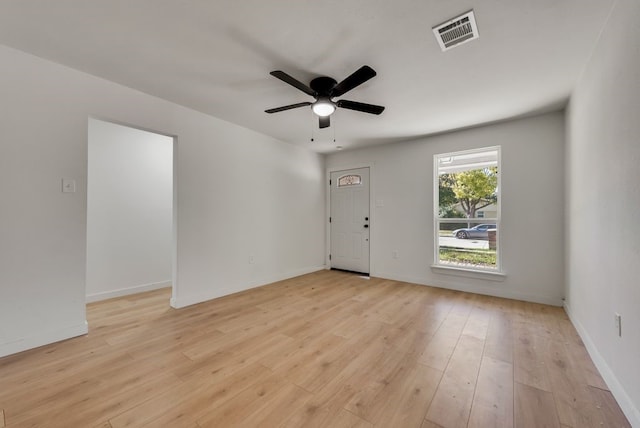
(603, 179)
(239, 193)
(532, 243)
(129, 210)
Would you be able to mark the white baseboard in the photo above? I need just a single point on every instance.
(95, 297)
(42, 339)
(214, 293)
(626, 404)
(503, 292)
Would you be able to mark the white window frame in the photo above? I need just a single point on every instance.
(477, 220)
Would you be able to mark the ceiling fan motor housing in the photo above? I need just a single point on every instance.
(323, 86)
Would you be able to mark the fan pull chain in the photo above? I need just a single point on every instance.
(312, 139)
(338, 147)
(334, 130)
(313, 116)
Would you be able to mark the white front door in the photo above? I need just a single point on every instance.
(349, 222)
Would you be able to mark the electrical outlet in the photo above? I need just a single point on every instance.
(618, 320)
(251, 259)
(395, 254)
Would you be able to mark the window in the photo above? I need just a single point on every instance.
(467, 209)
(349, 180)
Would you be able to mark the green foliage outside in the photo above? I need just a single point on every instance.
(476, 189)
(473, 190)
(447, 197)
(480, 258)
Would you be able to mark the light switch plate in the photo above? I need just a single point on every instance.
(618, 320)
(68, 185)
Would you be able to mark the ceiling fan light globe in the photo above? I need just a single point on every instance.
(323, 108)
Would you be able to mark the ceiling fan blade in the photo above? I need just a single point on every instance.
(293, 82)
(325, 121)
(360, 76)
(366, 108)
(289, 107)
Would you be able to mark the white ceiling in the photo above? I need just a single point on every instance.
(215, 56)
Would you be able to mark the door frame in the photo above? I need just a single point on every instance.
(174, 207)
(372, 216)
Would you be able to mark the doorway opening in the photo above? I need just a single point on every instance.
(130, 211)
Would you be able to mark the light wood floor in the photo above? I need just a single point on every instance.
(327, 349)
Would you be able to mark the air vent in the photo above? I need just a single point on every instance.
(456, 31)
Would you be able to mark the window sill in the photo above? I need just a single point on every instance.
(469, 273)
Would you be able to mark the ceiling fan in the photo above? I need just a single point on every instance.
(323, 89)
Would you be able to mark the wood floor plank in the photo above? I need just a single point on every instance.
(534, 407)
(83, 383)
(318, 348)
(328, 402)
(216, 392)
(89, 410)
(150, 409)
(346, 419)
(439, 349)
(452, 402)
(254, 348)
(207, 383)
(499, 341)
(549, 319)
(221, 342)
(477, 324)
(276, 409)
(574, 402)
(349, 326)
(415, 395)
(382, 388)
(493, 399)
(529, 357)
(43, 370)
(609, 411)
(579, 353)
(245, 404)
(318, 371)
(324, 349)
